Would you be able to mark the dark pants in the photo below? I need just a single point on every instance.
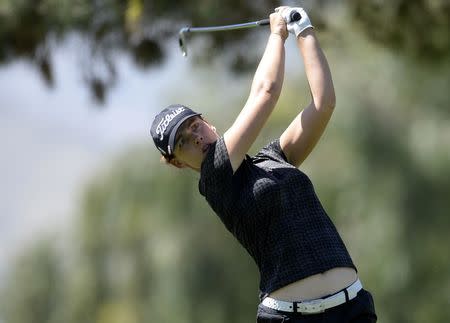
(359, 310)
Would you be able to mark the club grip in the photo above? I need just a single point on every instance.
(294, 16)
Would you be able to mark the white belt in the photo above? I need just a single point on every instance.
(317, 305)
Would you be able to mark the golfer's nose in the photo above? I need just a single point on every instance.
(198, 140)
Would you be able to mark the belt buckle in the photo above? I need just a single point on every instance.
(311, 307)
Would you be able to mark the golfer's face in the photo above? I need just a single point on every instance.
(193, 141)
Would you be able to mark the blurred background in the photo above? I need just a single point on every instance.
(94, 229)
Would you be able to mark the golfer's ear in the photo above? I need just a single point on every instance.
(175, 162)
(212, 127)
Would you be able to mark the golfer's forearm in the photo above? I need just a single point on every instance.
(317, 70)
(266, 88)
(270, 72)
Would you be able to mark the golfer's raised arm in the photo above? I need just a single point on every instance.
(299, 139)
(264, 93)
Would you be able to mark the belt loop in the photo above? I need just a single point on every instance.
(295, 307)
(346, 295)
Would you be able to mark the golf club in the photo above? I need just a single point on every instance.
(295, 16)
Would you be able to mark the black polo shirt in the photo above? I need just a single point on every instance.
(271, 207)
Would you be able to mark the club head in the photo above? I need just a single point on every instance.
(182, 40)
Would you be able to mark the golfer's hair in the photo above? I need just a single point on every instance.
(165, 159)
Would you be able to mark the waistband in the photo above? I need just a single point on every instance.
(317, 305)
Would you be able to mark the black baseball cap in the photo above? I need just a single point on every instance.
(165, 125)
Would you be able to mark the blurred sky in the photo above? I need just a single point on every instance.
(54, 140)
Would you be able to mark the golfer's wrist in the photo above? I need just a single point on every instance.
(307, 33)
(278, 35)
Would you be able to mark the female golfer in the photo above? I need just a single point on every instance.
(265, 201)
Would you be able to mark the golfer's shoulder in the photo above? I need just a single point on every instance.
(271, 151)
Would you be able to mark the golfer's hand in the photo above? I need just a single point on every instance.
(278, 25)
(295, 27)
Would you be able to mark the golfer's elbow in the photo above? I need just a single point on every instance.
(269, 89)
(325, 101)
(330, 101)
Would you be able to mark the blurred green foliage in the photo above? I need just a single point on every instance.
(31, 29)
(147, 248)
(419, 27)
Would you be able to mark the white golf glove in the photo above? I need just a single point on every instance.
(296, 27)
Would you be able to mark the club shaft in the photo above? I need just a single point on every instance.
(295, 16)
(252, 24)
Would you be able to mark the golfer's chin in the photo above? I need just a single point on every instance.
(193, 166)
(197, 164)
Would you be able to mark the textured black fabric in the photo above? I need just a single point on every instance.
(270, 206)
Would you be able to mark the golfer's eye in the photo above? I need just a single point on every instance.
(194, 126)
(180, 143)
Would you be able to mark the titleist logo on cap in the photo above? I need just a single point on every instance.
(164, 123)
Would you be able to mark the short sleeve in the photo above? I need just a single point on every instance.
(272, 151)
(216, 172)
